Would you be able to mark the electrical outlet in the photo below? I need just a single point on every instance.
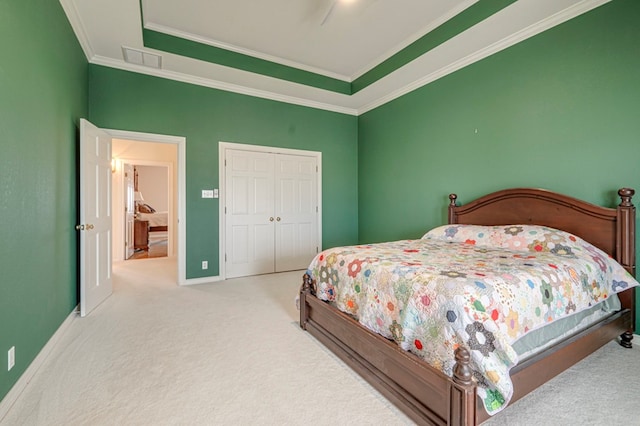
(205, 264)
(11, 358)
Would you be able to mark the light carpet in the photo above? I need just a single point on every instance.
(232, 353)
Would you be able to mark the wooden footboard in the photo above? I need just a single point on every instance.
(158, 228)
(423, 393)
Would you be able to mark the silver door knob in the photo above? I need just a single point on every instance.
(79, 227)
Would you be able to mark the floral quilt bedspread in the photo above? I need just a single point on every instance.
(477, 286)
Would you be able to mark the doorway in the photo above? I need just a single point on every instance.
(133, 150)
(147, 230)
(270, 208)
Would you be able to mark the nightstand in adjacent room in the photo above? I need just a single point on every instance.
(141, 235)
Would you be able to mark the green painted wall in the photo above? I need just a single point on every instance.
(135, 102)
(43, 93)
(558, 111)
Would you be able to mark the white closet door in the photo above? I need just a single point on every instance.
(296, 211)
(250, 220)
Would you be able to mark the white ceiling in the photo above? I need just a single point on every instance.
(342, 41)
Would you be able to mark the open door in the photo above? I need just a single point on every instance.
(95, 216)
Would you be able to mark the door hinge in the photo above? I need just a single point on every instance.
(317, 251)
(316, 169)
(225, 209)
(225, 257)
(316, 209)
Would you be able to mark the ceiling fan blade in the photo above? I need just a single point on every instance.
(329, 12)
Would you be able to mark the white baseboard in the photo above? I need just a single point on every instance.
(17, 389)
(203, 280)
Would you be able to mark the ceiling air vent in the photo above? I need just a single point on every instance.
(139, 57)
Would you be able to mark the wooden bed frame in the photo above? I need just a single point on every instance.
(158, 228)
(428, 396)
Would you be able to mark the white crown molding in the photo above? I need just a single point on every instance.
(552, 21)
(248, 52)
(214, 84)
(73, 16)
(424, 31)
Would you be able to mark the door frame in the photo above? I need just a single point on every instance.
(182, 188)
(222, 157)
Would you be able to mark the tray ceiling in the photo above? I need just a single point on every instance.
(348, 56)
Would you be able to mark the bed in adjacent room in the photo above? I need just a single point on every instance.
(158, 221)
(452, 327)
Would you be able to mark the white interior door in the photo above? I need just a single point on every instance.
(129, 210)
(296, 210)
(95, 216)
(250, 217)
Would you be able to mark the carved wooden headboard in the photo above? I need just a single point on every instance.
(613, 230)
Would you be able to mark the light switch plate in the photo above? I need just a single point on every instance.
(207, 193)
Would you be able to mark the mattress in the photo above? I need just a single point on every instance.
(155, 219)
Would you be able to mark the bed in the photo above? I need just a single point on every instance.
(158, 221)
(428, 395)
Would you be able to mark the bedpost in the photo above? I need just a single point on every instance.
(452, 205)
(626, 253)
(463, 393)
(305, 290)
(626, 230)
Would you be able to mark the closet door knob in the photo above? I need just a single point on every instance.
(278, 219)
(271, 219)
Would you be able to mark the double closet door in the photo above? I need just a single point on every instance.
(271, 212)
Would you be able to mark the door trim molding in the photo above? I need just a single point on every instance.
(222, 156)
(181, 142)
